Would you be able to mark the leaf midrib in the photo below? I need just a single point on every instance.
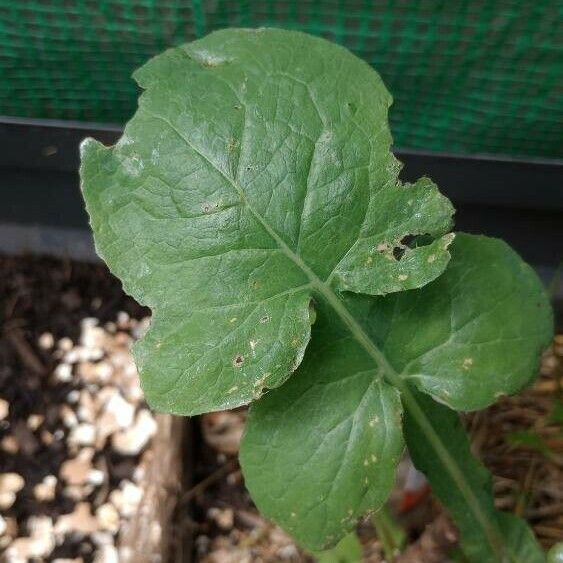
(389, 373)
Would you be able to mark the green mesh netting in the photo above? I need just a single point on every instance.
(467, 76)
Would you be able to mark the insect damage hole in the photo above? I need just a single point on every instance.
(409, 242)
(401, 247)
(238, 360)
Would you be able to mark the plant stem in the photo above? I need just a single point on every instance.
(389, 533)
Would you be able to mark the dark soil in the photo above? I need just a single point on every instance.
(39, 295)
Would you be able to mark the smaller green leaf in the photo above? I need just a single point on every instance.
(487, 535)
(348, 550)
(530, 440)
(555, 554)
(322, 450)
(391, 535)
(474, 334)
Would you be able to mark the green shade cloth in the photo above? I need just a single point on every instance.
(468, 77)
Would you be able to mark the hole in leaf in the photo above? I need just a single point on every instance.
(410, 241)
(400, 248)
(398, 252)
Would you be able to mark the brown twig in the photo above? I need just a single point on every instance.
(24, 351)
(217, 475)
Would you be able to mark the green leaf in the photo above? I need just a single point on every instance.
(322, 450)
(390, 534)
(348, 550)
(522, 545)
(361, 353)
(487, 534)
(474, 334)
(529, 439)
(255, 175)
(555, 554)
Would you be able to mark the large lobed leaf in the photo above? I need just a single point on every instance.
(255, 173)
(308, 446)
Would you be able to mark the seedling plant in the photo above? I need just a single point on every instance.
(254, 205)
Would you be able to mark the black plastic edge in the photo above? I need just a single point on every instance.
(517, 200)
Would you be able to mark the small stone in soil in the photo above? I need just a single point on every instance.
(108, 517)
(96, 477)
(47, 438)
(102, 538)
(63, 373)
(4, 408)
(46, 341)
(82, 435)
(224, 518)
(127, 498)
(65, 344)
(134, 439)
(10, 531)
(40, 543)
(45, 491)
(87, 407)
(34, 421)
(80, 521)
(11, 482)
(122, 410)
(75, 471)
(73, 396)
(68, 416)
(107, 554)
(9, 444)
(77, 492)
